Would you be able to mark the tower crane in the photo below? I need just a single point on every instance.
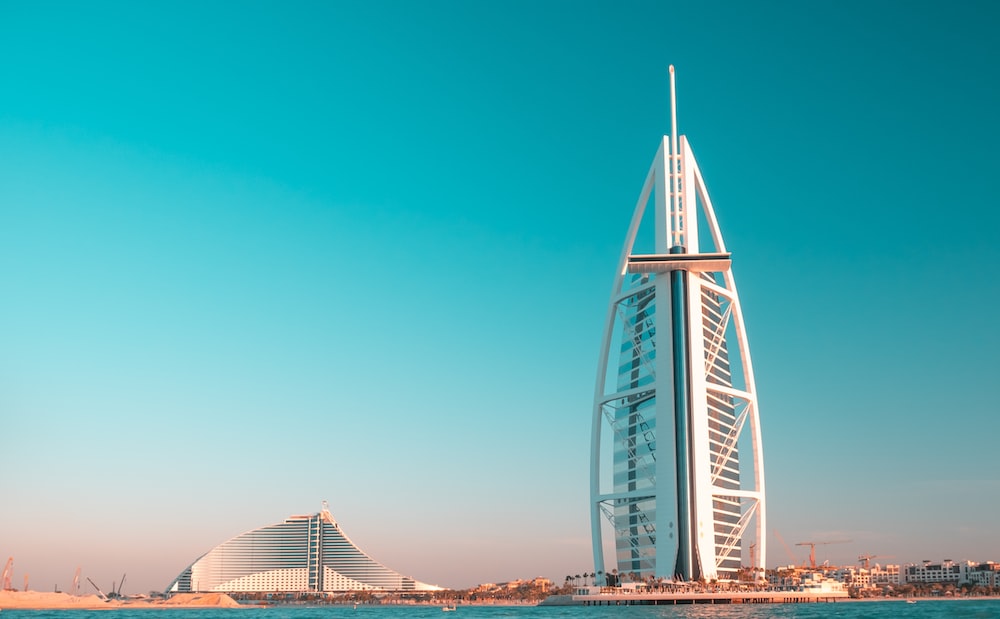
(866, 559)
(788, 551)
(812, 549)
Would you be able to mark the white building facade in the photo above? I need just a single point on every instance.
(944, 572)
(677, 480)
(985, 574)
(303, 554)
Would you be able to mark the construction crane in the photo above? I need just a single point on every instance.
(812, 549)
(76, 582)
(5, 578)
(117, 593)
(788, 551)
(99, 592)
(866, 559)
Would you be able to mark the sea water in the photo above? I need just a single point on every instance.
(923, 609)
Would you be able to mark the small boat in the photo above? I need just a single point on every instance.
(448, 609)
(911, 601)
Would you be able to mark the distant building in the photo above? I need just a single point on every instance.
(815, 582)
(303, 554)
(859, 578)
(985, 574)
(543, 584)
(875, 577)
(944, 572)
(888, 575)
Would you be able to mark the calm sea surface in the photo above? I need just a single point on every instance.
(845, 610)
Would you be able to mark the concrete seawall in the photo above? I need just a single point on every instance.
(754, 597)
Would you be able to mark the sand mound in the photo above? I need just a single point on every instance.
(36, 600)
(40, 600)
(201, 599)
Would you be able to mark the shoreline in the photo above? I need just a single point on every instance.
(37, 600)
(922, 598)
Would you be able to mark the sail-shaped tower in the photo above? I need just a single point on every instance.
(677, 477)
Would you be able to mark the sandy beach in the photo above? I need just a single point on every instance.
(36, 600)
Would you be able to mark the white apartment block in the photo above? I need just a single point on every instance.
(985, 574)
(875, 577)
(947, 571)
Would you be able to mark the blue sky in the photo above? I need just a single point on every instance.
(258, 255)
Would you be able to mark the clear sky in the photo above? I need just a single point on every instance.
(257, 255)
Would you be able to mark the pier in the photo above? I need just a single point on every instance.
(610, 596)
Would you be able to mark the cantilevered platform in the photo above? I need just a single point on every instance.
(663, 263)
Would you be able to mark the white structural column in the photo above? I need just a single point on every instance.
(675, 404)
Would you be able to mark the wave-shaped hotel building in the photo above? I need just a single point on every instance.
(303, 554)
(677, 478)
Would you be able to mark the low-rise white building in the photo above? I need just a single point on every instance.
(887, 575)
(985, 574)
(947, 571)
(817, 583)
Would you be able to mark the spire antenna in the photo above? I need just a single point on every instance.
(673, 107)
(675, 172)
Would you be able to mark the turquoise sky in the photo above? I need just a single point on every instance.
(257, 255)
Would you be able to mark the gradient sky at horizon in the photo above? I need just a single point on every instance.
(258, 255)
